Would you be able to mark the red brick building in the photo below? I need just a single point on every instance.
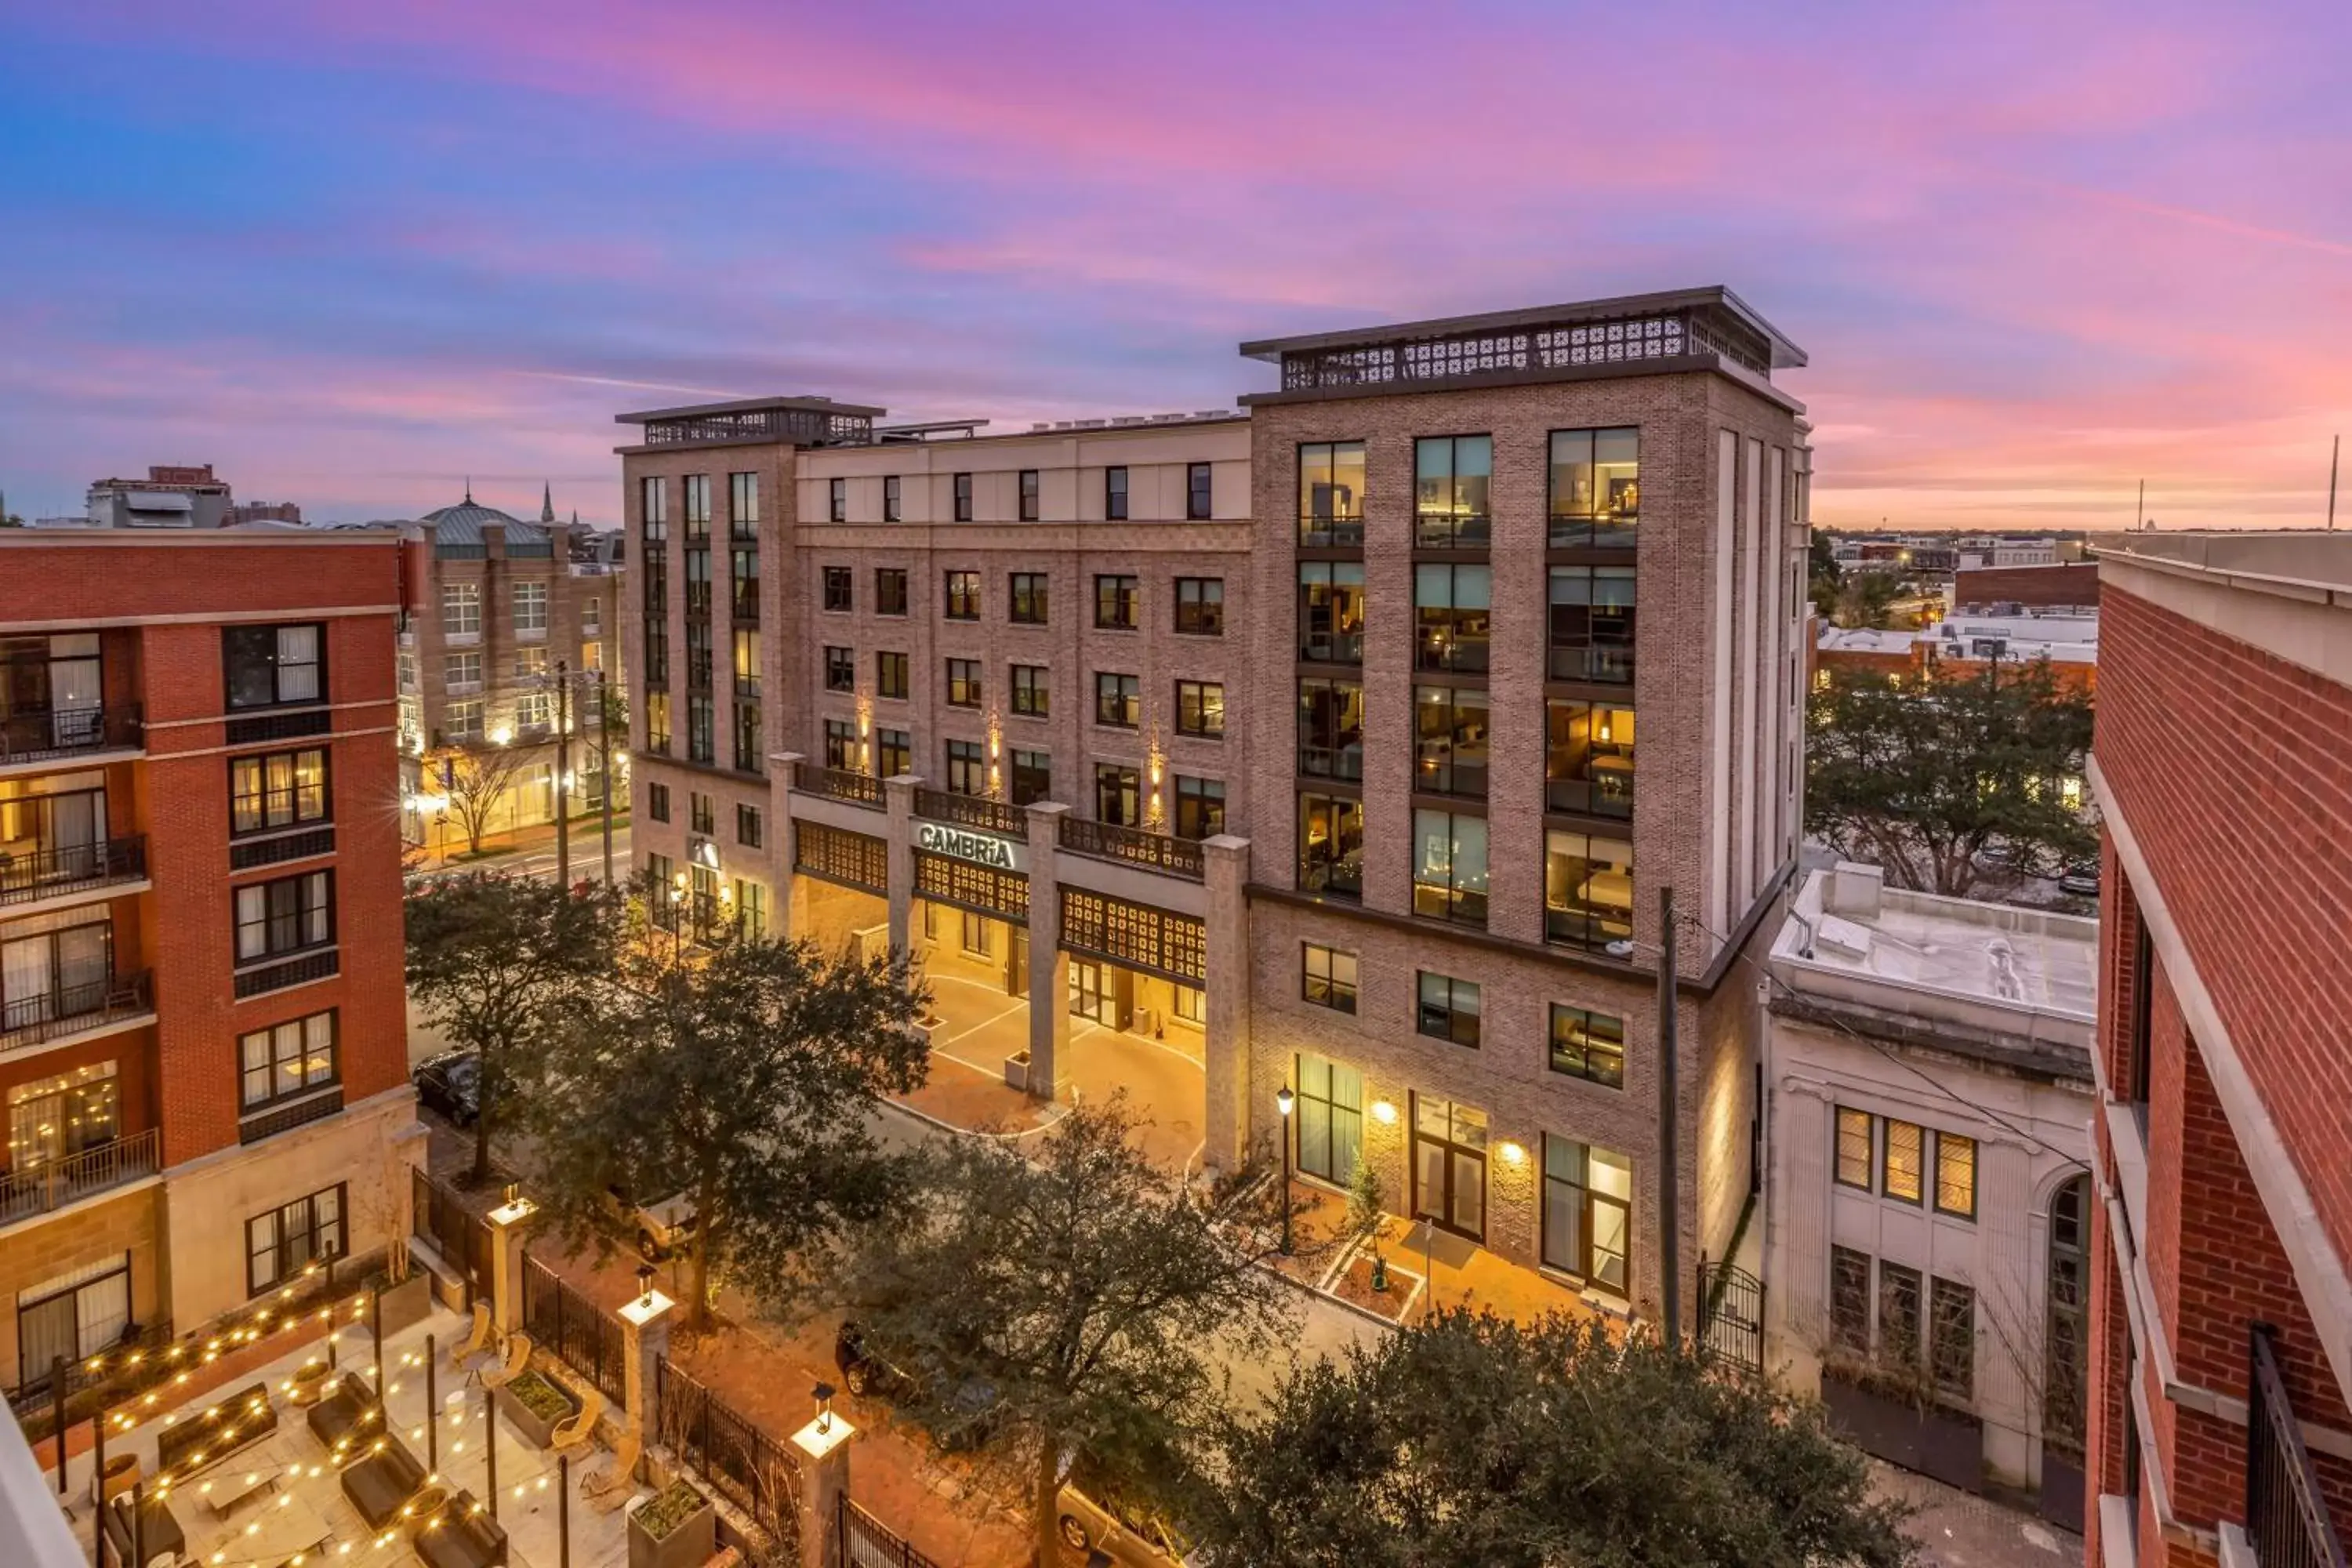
(2221, 1324)
(203, 1049)
(2067, 586)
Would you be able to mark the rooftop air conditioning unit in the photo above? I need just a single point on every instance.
(1041, 424)
(1210, 413)
(1128, 419)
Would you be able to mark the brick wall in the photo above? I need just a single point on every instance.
(2069, 584)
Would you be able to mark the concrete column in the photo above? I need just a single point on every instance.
(1226, 1035)
(1797, 1234)
(507, 1222)
(899, 795)
(823, 1448)
(792, 916)
(1049, 966)
(645, 1340)
(2010, 1309)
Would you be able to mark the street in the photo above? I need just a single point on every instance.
(533, 852)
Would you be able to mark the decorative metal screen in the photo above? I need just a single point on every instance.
(1170, 945)
(1658, 336)
(837, 854)
(981, 889)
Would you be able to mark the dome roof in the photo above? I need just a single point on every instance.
(463, 523)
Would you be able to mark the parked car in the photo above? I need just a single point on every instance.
(662, 1225)
(868, 1375)
(449, 1084)
(2081, 879)
(1097, 1515)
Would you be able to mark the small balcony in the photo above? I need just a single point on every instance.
(47, 1016)
(51, 1184)
(46, 734)
(1133, 847)
(973, 811)
(838, 784)
(51, 871)
(2287, 1521)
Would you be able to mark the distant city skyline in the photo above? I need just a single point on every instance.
(349, 256)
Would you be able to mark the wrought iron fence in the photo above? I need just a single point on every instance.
(38, 1186)
(1731, 1314)
(64, 867)
(573, 1330)
(61, 733)
(440, 1218)
(838, 784)
(46, 1015)
(972, 811)
(744, 1465)
(2287, 1518)
(868, 1543)
(1159, 851)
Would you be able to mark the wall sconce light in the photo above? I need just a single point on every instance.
(1284, 1099)
(1514, 1155)
(1383, 1113)
(823, 1392)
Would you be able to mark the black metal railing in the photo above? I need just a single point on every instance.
(63, 732)
(1603, 665)
(742, 1463)
(278, 727)
(838, 784)
(868, 1543)
(285, 1117)
(245, 856)
(1452, 530)
(1332, 761)
(45, 873)
(1134, 846)
(439, 1217)
(1588, 928)
(38, 1187)
(568, 1324)
(1332, 647)
(299, 971)
(972, 811)
(1331, 532)
(47, 1015)
(2287, 1518)
(1609, 794)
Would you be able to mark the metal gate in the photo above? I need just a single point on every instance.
(1731, 1314)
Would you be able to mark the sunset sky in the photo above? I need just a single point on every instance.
(352, 252)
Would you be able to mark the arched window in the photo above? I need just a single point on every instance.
(2066, 1342)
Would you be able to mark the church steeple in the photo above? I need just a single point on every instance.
(470, 490)
(547, 504)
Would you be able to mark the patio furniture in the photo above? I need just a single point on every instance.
(459, 1534)
(582, 1427)
(514, 1356)
(346, 1416)
(223, 1493)
(312, 1380)
(238, 1421)
(382, 1481)
(159, 1532)
(609, 1488)
(290, 1527)
(478, 1338)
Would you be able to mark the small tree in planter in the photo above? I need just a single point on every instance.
(1366, 1211)
(680, 1529)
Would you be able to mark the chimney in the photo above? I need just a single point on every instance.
(1855, 890)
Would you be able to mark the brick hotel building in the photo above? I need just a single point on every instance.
(203, 1048)
(1300, 741)
(2221, 1329)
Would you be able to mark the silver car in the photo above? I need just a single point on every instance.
(1134, 1536)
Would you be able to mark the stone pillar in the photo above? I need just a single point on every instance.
(645, 1340)
(1796, 1228)
(507, 1222)
(792, 916)
(1226, 1036)
(823, 1450)
(1049, 966)
(2010, 1314)
(899, 795)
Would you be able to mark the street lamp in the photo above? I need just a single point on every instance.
(1283, 1100)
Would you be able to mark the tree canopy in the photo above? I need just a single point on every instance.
(1061, 1309)
(498, 962)
(1924, 778)
(745, 1080)
(1470, 1438)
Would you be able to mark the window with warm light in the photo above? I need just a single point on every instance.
(1596, 487)
(1328, 977)
(1331, 493)
(1588, 1213)
(1330, 1117)
(1452, 618)
(1453, 477)
(1589, 759)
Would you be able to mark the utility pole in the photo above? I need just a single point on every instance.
(562, 775)
(1669, 1124)
(2335, 452)
(2139, 518)
(605, 747)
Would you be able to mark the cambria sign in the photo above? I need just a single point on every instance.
(964, 844)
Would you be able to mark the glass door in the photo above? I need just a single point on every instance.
(1016, 963)
(1449, 1166)
(1088, 996)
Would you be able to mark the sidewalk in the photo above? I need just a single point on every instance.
(500, 851)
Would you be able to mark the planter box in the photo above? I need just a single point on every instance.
(539, 1429)
(1945, 1445)
(404, 1306)
(1016, 1071)
(689, 1545)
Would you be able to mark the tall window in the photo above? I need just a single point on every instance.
(890, 674)
(1952, 1338)
(702, 815)
(1033, 777)
(839, 596)
(2067, 1357)
(749, 750)
(894, 753)
(840, 744)
(1452, 616)
(1330, 1116)
(1331, 729)
(964, 595)
(963, 683)
(1201, 708)
(967, 771)
(747, 826)
(701, 728)
(1589, 759)
(1450, 740)
(292, 914)
(743, 505)
(461, 609)
(592, 616)
(1119, 701)
(697, 505)
(1449, 865)
(1031, 693)
(281, 1243)
(1200, 807)
(1028, 495)
(1449, 1009)
(1327, 977)
(657, 802)
(889, 590)
(1119, 603)
(1588, 889)
(462, 671)
(840, 669)
(1850, 1300)
(657, 727)
(1331, 846)
(1201, 606)
(1117, 796)
(743, 596)
(836, 501)
(963, 498)
(1588, 1213)
(1331, 612)
(1330, 493)
(1588, 1045)
(530, 609)
(462, 720)
(1452, 476)
(1596, 487)
(1197, 490)
(1593, 624)
(1115, 494)
(1029, 598)
(281, 789)
(266, 666)
(285, 1060)
(653, 507)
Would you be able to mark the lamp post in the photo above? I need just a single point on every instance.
(1283, 1101)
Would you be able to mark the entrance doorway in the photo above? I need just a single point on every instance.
(1088, 996)
(1449, 1166)
(1016, 963)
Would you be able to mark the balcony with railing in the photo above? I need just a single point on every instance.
(972, 811)
(1599, 664)
(1452, 530)
(46, 1186)
(1133, 847)
(1320, 532)
(43, 734)
(838, 784)
(52, 1015)
(51, 870)
(2287, 1520)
